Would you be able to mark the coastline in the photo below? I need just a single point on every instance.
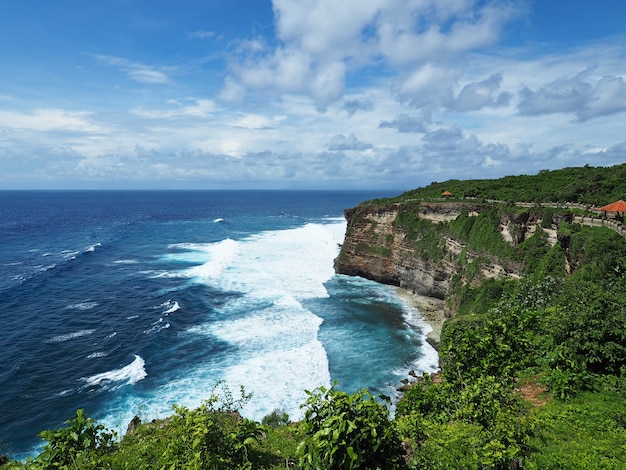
(431, 311)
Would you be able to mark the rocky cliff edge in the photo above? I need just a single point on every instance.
(377, 248)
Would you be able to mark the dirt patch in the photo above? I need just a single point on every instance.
(534, 393)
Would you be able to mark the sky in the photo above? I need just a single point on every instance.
(306, 94)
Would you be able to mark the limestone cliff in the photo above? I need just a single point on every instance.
(379, 248)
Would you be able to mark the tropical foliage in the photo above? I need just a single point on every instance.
(345, 431)
(588, 185)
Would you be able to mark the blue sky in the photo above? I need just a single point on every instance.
(389, 94)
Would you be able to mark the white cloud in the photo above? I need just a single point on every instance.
(254, 121)
(323, 41)
(354, 105)
(478, 95)
(48, 120)
(232, 91)
(438, 30)
(326, 30)
(427, 86)
(408, 77)
(407, 123)
(145, 74)
(341, 142)
(328, 84)
(582, 95)
(608, 97)
(137, 71)
(200, 108)
(559, 96)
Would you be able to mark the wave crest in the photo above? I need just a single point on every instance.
(69, 336)
(130, 374)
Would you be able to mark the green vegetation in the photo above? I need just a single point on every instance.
(587, 185)
(533, 369)
(376, 250)
(559, 335)
(348, 432)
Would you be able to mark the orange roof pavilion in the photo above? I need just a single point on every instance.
(448, 194)
(618, 206)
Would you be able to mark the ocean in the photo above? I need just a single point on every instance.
(125, 303)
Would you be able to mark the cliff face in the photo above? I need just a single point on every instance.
(378, 249)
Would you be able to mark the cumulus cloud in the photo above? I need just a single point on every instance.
(342, 143)
(428, 86)
(455, 152)
(436, 29)
(321, 42)
(607, 97)
(610, 156)
(582, 95)
(560, 96)
(407, 123)
(481, 94)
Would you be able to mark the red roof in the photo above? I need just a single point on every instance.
(619, 206)
(448, 193)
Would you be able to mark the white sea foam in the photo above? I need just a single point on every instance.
(296, 261)
(215, 258)
(277, 379)
(82, 306)
(126, 261)
(97, 354)
(157, 326)
(429, 357)
(92, 248)
(170, 306)
(218, 220)
(275, 352)
(42, 268)
(70, 254)
(159, 274)
(69, 336)
(130, 374)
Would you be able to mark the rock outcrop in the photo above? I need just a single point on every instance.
(378, 248)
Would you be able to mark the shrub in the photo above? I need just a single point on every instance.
(212, 436)
(348, 432)
(276, 418)
(481, 424)
(82, 444)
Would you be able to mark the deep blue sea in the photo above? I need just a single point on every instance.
(126, 303)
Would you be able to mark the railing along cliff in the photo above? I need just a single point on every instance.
(587, 221)
(592, 222)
